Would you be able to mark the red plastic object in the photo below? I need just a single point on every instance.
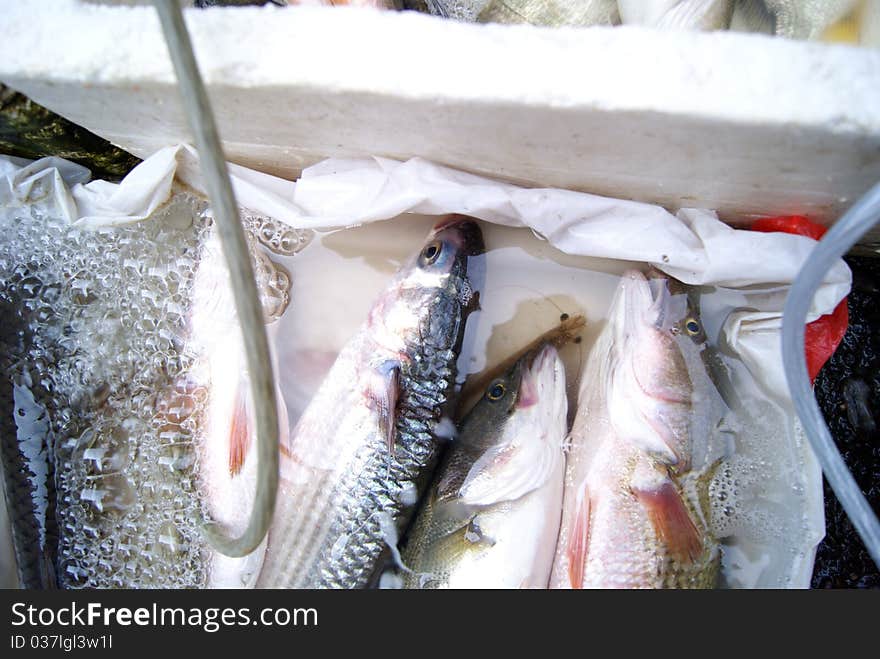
(824, 334)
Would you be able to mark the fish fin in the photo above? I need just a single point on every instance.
(447, 488)
(474, 533)
(680, 459)
(383, 390)
(463, 536)
(239, 434)
(671, 520)
(509, 471)
(634, 418)
(388, 527)
(579, 541)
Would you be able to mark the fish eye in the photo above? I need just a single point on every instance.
(431, 252)
(496, 391)
(692, 326)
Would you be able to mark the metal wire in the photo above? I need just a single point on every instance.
(247, 304)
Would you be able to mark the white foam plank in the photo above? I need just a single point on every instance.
(746, 124)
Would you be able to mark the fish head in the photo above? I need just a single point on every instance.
(655, 322)
(522, 389)
(534, 386)
(452, 255)
(430, 297)
(511, 442)
(655, 332)
(677, 308)
(542, 379)
(500, 400)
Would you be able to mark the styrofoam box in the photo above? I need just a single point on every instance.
(745, 124)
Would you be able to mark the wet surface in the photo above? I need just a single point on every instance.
(848, 391)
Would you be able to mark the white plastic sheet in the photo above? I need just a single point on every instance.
(692, 245)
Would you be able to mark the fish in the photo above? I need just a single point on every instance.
(362, 451)
(793, 19)
(567, 331)
(677, 14)
(492, 515)
(642, 449)
(26, 497)
(534, 12)
(224, 425)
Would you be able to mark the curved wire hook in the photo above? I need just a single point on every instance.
(247, 302)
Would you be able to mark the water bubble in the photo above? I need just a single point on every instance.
(177, 456)
(170, 540)
(73, 575)
(110, 494)
(104, 342)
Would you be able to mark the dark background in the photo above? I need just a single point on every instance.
(848, 392)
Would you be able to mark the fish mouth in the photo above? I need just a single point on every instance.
(649, 301)
(638, 299)
(542, 375)
(462, 232)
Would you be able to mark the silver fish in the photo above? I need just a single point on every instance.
(677, 14)
(25, 466)
(364, 446)
(535, 12)
(492, 517)
(636, 512)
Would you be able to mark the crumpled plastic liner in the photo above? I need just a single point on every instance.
(692, 245)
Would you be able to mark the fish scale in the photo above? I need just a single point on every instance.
(642, 449)
(503, 537)
(382, 480)
(340, 486)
